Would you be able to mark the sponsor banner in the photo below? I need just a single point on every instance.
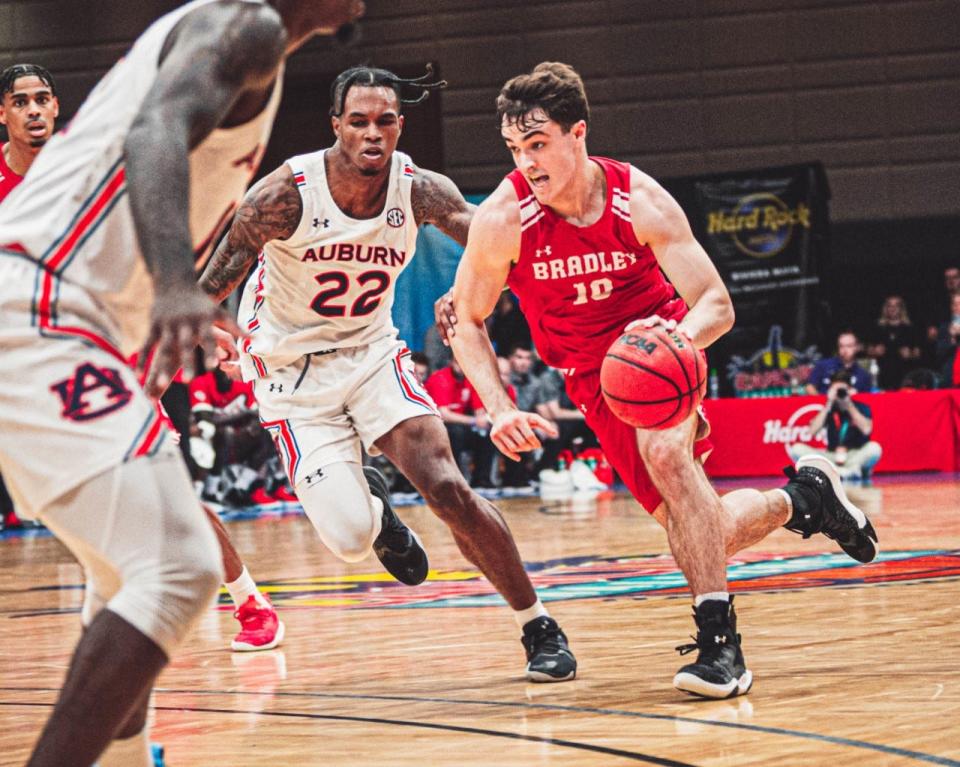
(766, 231)
(751, 436)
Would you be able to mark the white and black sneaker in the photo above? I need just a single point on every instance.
(720, 670)
(397, 547)
(548, 655)
(820, 505)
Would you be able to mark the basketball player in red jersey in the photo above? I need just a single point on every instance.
(582, 241)
(28, 109)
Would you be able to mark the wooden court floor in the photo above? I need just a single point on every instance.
(854, 665)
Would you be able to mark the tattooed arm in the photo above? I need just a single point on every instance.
(436, 200)
(271, 210)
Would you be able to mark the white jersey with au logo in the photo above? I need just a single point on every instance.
(331, 284)
(71, 214)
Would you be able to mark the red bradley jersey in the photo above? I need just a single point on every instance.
(8, 179)
(580, 285)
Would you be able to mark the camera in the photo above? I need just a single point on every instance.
(842, 392)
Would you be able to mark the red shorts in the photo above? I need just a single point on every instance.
(618, 440)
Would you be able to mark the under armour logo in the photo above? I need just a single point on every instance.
(720, 639)
(583, 409)
(546, 251)
(325, 223)
(276, 387)
(314, 476)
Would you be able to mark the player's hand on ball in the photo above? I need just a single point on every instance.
(513, 432)
(445, 318)
(655, 319)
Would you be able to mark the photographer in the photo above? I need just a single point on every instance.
(849, 424)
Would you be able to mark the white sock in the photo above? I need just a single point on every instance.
(721, 596)
(536, 610)
(789, 499)
(132, 752)
(243, 588)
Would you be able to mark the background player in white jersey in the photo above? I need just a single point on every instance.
(96, 257)
(332, 231)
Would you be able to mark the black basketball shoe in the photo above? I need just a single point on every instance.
(719, 671)
(821, 506)
(548, 656)
(397, 547)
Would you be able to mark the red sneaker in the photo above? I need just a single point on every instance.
(283, 494)
(261, 628)
(260, 497)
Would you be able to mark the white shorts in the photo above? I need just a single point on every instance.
(320, 409)
(70, 406)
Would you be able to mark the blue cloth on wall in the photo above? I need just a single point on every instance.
(428, 277)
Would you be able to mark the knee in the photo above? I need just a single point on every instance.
(662, 456)
(447, 493)
(135, 722)
(352, 548)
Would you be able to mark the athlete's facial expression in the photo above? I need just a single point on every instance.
(29, 111)
(369, 128)
(544, 152)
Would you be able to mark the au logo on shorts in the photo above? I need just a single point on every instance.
(395, 217)
(92, 392)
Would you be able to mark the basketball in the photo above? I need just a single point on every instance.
(653, 378)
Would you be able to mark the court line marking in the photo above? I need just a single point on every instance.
(833, 739)
(631, 755)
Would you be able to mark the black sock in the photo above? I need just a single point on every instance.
(805, 516)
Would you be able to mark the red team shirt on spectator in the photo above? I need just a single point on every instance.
(204, 394)
(8, 179)
(458, 395)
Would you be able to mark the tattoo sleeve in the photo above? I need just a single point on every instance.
(436, 200)
(271, 211)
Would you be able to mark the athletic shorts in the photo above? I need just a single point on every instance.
(322, 408)
(70, 406)
(619, 440)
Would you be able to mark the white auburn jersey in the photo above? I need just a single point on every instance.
(331, 284)
(71, 214)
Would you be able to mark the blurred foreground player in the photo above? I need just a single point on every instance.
(582, 241)
(97, 252)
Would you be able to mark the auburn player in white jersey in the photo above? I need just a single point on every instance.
(97, 252)
(330, 233)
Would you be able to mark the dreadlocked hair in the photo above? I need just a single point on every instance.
(372, 77)
(10, 75)
(552, 88)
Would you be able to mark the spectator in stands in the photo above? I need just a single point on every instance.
(421, 366)
(948, 342)
(438, 354)
(894, 343)
(466, 422)
(227, 439)
(846, 359)
(555, 405)
(941, 308)
(849, 424)
(508, 327)
(518, 475)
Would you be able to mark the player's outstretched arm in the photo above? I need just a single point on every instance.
(492, 247)
(436, 200)
(659, 221)
(216, 54)
(271, 210)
